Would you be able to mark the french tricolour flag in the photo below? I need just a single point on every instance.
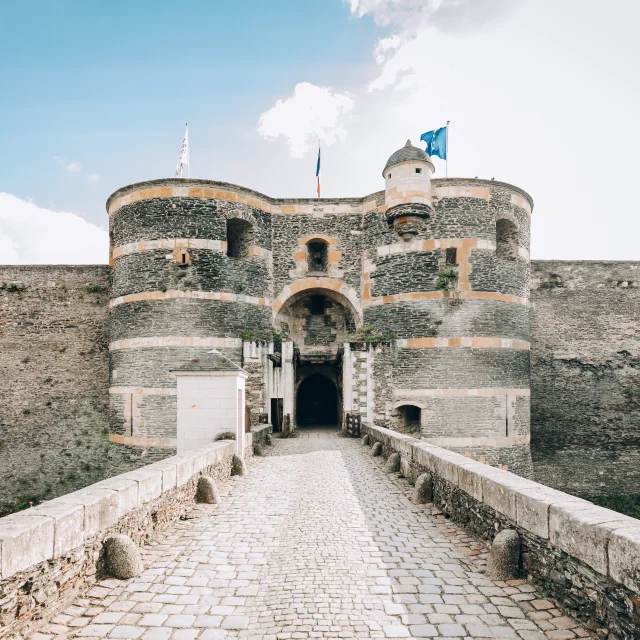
(318, 171)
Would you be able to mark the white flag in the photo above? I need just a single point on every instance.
(184, 154)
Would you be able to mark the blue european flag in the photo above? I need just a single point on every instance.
(436, 142)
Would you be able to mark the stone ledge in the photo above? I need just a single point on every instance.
(59, 526)
(601, 539)
(57, 547)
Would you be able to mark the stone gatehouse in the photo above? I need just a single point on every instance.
(409, 306)
(412, 306)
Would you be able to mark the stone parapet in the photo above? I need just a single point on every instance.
(586, 556)
(49, 551)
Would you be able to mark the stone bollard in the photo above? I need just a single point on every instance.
(238, 467)
(122, 557)
(393, 463)
(423, 491)
(504, 557)
(268, 440)
(376, 450)
(366, 440)
(258, 450)
(207, 491)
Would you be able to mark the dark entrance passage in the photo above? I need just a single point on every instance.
(317, 402)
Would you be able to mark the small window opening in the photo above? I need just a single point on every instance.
(238, 238)
(410, 416)
(506, 240)
(451, 256)
(182, 258)
(418, 170)
(317, 256)
(317, 305)
(389, 176)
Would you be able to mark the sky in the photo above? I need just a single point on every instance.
(543, 94)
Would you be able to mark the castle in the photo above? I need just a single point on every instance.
(436, 271)
(410, 308)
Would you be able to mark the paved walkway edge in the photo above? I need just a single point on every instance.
(586, 556)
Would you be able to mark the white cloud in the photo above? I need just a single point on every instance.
(312, 113)
(32, 235)
(452, 16)
(71, 167)
(76, 167)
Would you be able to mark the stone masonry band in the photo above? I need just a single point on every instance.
(409, 343)
(234, 193)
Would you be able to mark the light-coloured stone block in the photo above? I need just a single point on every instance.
(127, 491)
(584, 531)
(499, 490)
(149, 483)
(24, 542)
(184, 469)
(624, 557)
(447, 464)
(169, 474)
(423, 454)
(470, 479)
(532, 507)
(100, 508)
(68, 524)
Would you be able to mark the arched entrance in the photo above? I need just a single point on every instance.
(317, 402)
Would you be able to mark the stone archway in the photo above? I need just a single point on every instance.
(317, 320)
(334, 289)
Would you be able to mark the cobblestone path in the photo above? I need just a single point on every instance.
(315, 542)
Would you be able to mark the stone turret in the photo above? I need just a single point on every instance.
(407, 176)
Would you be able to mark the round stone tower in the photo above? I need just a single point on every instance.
(191, 263)
(446, 269)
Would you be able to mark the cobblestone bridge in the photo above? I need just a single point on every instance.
(315, 542)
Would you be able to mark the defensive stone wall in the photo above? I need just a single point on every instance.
(585, 556)
(585, 383)
(49, 552)
(54, 383)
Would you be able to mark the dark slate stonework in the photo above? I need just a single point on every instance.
(490, 273)
(450, 318)
(404, 272)
(151, 366)
(187, 317)
(585, 422)
(208, 271)
(452, 368)
(183, 218)
(289, 229)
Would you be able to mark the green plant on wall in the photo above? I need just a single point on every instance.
(94, 288)
(277, 338)
(370, 336)
(246, 335)
(447, 280)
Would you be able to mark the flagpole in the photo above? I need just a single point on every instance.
(446, 161)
